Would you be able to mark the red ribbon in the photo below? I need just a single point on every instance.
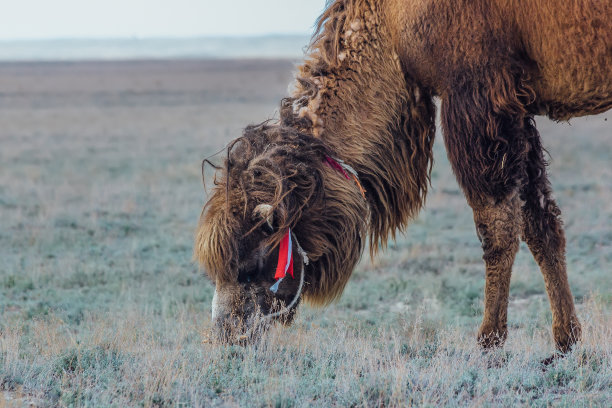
(336, 166)
(285, 257)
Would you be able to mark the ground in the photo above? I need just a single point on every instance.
(102, 305)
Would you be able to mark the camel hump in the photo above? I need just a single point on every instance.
(561, 48)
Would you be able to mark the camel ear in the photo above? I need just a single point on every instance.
(265, 211)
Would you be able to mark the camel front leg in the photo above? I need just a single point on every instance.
(498, 228)
(487, 148)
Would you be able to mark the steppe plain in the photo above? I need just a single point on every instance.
(102, 305)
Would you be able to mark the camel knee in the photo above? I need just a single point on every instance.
(543, 226)
(498, 229)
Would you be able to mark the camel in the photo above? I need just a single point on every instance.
(350, 157)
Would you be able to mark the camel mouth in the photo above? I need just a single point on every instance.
(248, 324)
(237, 331)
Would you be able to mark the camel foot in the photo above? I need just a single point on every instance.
(491, 338)
(567, 335)
(550, 359)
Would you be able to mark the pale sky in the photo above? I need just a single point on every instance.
(50, 19)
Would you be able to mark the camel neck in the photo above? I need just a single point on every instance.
(351, 86)
(352, 93)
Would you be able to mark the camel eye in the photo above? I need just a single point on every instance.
(245, 277)
(260, 265)
(267, 228)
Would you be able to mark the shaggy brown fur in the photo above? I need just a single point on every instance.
(365, 95)
(368, 110)
(284, 168)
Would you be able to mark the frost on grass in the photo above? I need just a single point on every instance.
(134, 360)
(101, 305)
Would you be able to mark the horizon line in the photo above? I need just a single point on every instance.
(161, 37)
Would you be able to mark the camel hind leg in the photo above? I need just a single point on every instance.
(544, 235)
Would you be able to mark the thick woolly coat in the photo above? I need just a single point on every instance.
(364, 94)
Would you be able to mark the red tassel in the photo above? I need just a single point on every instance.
(285, 257)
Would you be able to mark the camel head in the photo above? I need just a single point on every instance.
(277, 201)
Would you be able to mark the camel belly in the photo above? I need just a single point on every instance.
(570, 42)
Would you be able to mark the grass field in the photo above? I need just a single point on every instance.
(101, 304)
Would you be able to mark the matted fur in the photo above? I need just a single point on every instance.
(353, 93)
(279, 166)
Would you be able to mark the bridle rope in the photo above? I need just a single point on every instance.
(286, 309)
